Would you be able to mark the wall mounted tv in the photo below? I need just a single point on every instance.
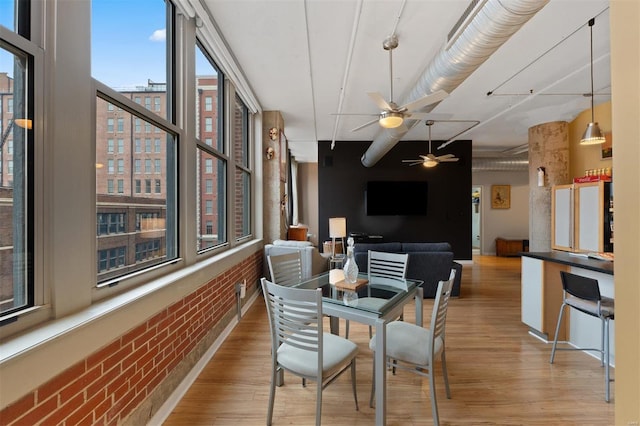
(396, 198)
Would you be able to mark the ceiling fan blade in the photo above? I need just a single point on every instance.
(448, 160)
(379, 101)
(411, 161)
(446, 156)
(434, 97)
(352, 113)
(428, 116)
(365, 125)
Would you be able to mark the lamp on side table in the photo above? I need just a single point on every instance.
(337, 229)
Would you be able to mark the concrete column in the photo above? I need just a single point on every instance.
(548, 148)
(274, 189)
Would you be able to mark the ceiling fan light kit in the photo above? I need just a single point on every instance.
(431, 160)
(390, 119)
(592, 135)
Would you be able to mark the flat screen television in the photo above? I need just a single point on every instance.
(396, 198)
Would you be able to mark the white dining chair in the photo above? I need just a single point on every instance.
(299, 345)
(384, 268)
(414, 348)
(285, 269)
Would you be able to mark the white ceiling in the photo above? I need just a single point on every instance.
(295, 55)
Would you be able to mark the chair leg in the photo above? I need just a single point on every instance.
(434, 403)
(346, 329)
(319, 402)
(602, 352)
(373, 383)
(606, 374)
(445, 374)
(353, 383)
(555, 339)
(272, 394)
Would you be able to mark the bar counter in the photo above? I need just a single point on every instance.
(572, 259)
(542, 297)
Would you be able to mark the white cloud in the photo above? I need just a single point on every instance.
(159, 35)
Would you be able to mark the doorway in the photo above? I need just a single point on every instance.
(476, 222)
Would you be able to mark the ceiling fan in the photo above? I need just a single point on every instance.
(431, 160)
(391, 115)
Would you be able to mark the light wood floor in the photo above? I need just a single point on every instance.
(499, 374)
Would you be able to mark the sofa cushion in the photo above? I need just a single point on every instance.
(409, 247)
(387, 247)
(292, 243)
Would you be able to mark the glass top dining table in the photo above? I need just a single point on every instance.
(375, 303)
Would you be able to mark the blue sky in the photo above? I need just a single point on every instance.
(127, 46)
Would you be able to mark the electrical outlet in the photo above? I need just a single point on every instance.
(243, 289)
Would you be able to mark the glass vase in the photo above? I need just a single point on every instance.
(350, 266)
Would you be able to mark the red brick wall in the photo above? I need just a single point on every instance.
(108, 385)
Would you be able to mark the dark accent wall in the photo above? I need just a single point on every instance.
(342, 180)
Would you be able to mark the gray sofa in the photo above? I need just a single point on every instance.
(429, 262)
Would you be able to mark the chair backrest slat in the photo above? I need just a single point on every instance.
(285, 269)
(441, 303)
(295, 316)
(387, 265)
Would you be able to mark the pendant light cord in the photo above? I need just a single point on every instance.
(591, 22)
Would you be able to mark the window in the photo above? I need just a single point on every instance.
(16, 192)
(137, 99)
(110, 107)
(120, 146)
(147, 102)
(138, 146)
(242, 176)
(147, 127)
(156, 101)
(161, 190)
(211, 161)
(147, 145)
(158, 145)
(138, 125)
(110, 125)
(111, 258)
(120, 125)
(147, 250)
(110, 168)
(110, 146)
(111, 223)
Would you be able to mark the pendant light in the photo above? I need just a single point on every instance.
(592, 135)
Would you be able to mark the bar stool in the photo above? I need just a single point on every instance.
(583, 294)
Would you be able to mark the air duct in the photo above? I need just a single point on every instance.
(500, 164)
(489, 29)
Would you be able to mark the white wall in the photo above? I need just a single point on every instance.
(512, 222)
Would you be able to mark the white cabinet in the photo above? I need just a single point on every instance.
(581, 220)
